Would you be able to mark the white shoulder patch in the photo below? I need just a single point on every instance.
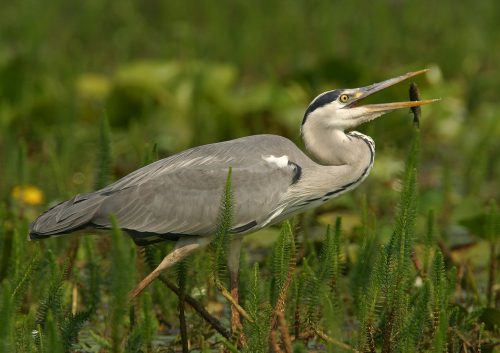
(281, 162)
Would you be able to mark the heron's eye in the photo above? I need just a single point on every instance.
(344, 98)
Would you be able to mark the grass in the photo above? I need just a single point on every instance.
(91, 92)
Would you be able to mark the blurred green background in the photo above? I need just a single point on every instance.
(180, 74)
(175, 74)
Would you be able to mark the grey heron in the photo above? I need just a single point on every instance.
(177, 198)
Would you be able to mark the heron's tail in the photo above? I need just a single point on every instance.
(66, 217)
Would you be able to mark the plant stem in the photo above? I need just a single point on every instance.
(280, 302)
(182, 323)
(285, 336)
(333, 341)
(225, 293)
(198, 307)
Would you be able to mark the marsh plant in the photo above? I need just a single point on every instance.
(399, 295)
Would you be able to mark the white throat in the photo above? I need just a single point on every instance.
(331, 146)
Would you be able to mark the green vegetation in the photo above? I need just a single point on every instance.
(408, 262)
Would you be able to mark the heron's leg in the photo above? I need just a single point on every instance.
(183, 248)
(233, 262)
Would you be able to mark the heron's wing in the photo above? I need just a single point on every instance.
(181, 194)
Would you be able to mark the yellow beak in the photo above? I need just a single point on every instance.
(364, 92)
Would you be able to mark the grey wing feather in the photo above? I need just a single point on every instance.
(68, 216)
(181, 194)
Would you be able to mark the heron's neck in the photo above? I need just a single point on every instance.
(335, 147)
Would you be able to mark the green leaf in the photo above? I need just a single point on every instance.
(219, 247)
(283, 257)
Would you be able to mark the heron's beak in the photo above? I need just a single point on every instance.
(364, 92)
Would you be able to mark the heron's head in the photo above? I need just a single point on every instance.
(340, 109)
